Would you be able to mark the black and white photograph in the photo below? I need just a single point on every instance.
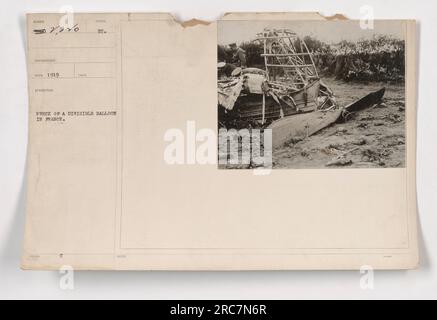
(331, 92)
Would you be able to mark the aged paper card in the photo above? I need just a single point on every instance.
(258, 142)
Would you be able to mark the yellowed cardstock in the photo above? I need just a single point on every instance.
(104, 93)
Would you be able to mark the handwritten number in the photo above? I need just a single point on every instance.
(57, 30)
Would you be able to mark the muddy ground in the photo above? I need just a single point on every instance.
(372, 138)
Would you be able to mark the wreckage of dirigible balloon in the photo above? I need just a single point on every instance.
(288, 96)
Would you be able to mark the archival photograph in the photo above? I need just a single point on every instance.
(311, 94)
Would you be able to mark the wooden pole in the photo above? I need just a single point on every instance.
(311, 57)
(264, 109)
(265, 59)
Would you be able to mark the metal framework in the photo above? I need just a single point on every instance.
(287, 59)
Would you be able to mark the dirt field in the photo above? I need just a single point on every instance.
(372, 138)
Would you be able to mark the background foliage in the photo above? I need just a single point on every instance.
(379, 59)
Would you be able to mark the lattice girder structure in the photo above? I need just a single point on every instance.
(287, 58)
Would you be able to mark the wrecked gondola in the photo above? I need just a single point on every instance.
(288, 96)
